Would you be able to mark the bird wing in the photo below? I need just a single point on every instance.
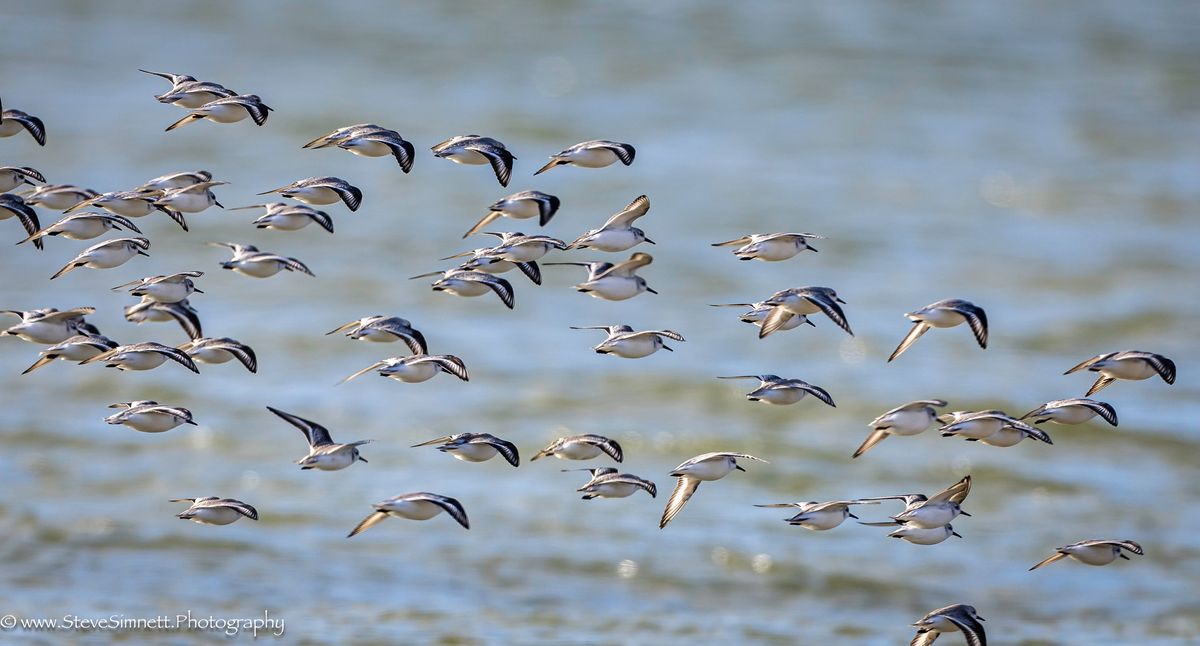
(684, 488)
(919, 328)
(626, 216)
(316, 434)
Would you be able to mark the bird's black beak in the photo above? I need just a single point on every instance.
(809, 321)
(1124, 557)
(668, 348)
(738, 467)
(963, 513)
(362, 459)
(143, 253)
(651, 290)
(980, 618)
(956, 534)
(840, 301)
(852, 516)
(649, 241)
(813, 249)
(197, 290)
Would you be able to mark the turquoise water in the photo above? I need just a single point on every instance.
(1035, 158)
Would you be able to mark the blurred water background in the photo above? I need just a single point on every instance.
(1037, 158)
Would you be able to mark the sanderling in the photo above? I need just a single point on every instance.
(607, 483)
(759, 312)
(956, 618)
(773, 389)
(248, 260)
(475, 150)
(48, 325)
(181, 179)
(58, 197)
(321, 191)
(189, 199)
(489, 261)
(517, 247)
(1128, 364)
(771, 247)
(14, 176)
(332, 138)
(928, 512)
(14, 206)
(707, 466)
(384, 329)
(106, 255)
(142, 356)
(475, 447)
(187, 92)
(413, 506)
(581, 447)
(787, 303)
(618, 232)
(281, 216)
(820, 516)
(597, 153)
(379, 143)
(215, 511)
(76, 348)
(922, 535)
(323, 453)
(910, 419)
(624, 342)
(147, 310)
(1072, 411)
(984, 424)
(1011, 434)
(945, 313)
(465, 282)
(83, 226)
(131, 204)
(416, 368)
(222, 350)
(614, 282)
(229, 109)
(170, 288)
(13, 121)
(519, 206)
(1101, 552)
(148, 416)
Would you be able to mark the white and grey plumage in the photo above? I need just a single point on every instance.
(150, 310)
(14, 176)
(516, 247)
(321, 191)
(985, 425)
(618, 232)
(624, 342)
(379, 143)
(581, 447)
(323, 453)
(148, 416)
(106, 255)
(1133, 365)
(248, 260)
(614, 282)
(918, 535)
(703, 467)
(142, 356)
(14, 206)
(597, 153)
(759, 312)
(281, 216)
(230, 109)
(76, 348)
(332, 138)
(131, 204)
(169, 288)
(384, 329)
(928, 512)
(773, 389)
(489, 260)
(1011, 434)
(475, 447)
(414, 506)
(955, 618)
(221, 350)
(189, 199)
(1076, 410)
(1096, 552)
(912, 418)
(188, 92)
(945, 313)
(465, 282)
(475, 150)
(607, 483)
(215, 511)
(770, 247)
(788, 303)
(819, 516)
(58, 197)
(14, 121)
(48, 325)
(416, 368)
(83, 226)
(519, 206)
(181, 179)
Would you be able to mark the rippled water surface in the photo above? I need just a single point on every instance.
(1037, 158)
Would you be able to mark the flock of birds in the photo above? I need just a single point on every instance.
(924, 520)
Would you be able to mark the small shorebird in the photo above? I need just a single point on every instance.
(320, 191)
(1134, 365)
(14, 121)
(624, 342)
(323, 453)
(945, 313)
(170, 288)
(912, 418)
(607, 483)
(142, 356)
(489, 261)
(281, 216)
(989, 426)
(106, 255)
(14, 206)
(770, 247)
(342, 134)
(131, 204)
(519, 206)
(413, 506)
(14, 176)
(182, 179)
(215, 511)
(773, 389)
(928, 512)
(189, 199)
(83, 226)
(416, 368)
(58, 197)
(1100, 552)
(597, 153)
(148, 416)
(76, 348)
(384, 329)
(230, 109)
(149, 310)
(1076, 410)
(788, 303)
(49, 325)
(516, 247)
(248, 260)
(465, 282)
(618, 232)
(475, 447)
(222, 350)
(187, 92)
(1011, 434)
(614, 282)
(820, 516)
(581, 447)
(923, 536)
(759, 312)
(704, 467)
(380, 143)
(476, 150)
(951, 619)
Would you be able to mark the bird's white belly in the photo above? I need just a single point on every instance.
(318, 195)
(1094, 554)
(215, 516)
(368, 148)
(799, 305)
(78, 352)
(10, 127)
(329, 461)
(977, 429)
(412, 509)
(188, 203)
(1004, 437)
(464, 156)
(920, 536)
(58, 201)
(1068, 414)
(614, 490)
(1132, 369)
(780, 396)
(612, 288)
(770, 250)
(525, 252)
(286, 222)
(907, 422)
(412, 374)
(211, 355)
(823, 520)
(138, 360)
(632, 348)
(228, 113)
(165, 292)
(592, 157)
(521, 209)
(81, 229)
(109, 258)
(710, 470)
(577, 451)
(47, 333)
(127, 208)
(930, 516)
(473, 452)
(940, 318)
(494, 266)
(466, 288)
(151, 422)
(614, 240)
(258, 268)
(10, 180)
(193, 100)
